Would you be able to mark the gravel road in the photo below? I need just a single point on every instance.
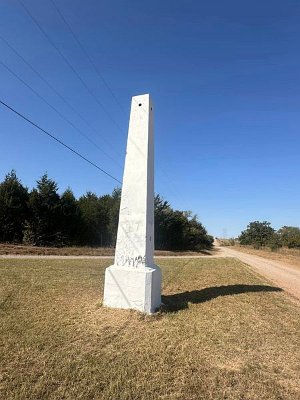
(283, 275)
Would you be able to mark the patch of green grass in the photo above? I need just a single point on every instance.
(223, 333)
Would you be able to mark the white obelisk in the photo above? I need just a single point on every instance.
(134, 281)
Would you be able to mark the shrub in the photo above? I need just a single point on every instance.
(289, 236)
(257, 234)
(274, 242)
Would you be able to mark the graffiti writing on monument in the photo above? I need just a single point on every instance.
(135, 262)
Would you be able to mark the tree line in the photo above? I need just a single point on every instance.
(259, 234)
(43, 217)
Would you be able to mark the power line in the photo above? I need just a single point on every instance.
(67, 62)
(52, 107)
(58, 140)
(86, 54)
(59, 95)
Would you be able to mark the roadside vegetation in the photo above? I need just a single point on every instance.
(261, 239)
(223, 333)
(260, 234)
(43, 217)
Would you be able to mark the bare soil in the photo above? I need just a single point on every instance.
(284, 274)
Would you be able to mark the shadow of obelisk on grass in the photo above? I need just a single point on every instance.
(180, 301)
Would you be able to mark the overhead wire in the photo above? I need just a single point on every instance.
(73, 69)
(84, 51)
(87, 55)
(48, 38)
(81, 80)
(62, 98)
(58, 140)
(69, 64)
(52, 107)
(97, 70)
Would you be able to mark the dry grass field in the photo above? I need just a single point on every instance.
(17, 249)
(223, 333)
(14, 249)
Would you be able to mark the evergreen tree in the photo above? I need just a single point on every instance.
(91, 217)
(196, 237)
(114, 215)
(178, 230)
(43, 217)
(71, 219)
(161, 211)
(45, 223)
(99, 218)
(13, 208)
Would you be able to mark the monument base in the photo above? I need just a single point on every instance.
(137, 288)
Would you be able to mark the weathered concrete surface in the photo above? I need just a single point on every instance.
(134, 281)
(138, 289)
(135, 239)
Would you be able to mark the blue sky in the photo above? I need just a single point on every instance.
(224, 78)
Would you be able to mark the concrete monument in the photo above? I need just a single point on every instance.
(134, 281)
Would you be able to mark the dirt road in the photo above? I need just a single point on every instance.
(285, 276)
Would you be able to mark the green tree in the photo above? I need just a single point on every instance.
(95, 219)
(43, 217)
(289, 236)
(100, 218)
(45, 225)
(114, 209)
(196, 237)
(175, 227)
(257, 234)
(161, 211)
(71, 219)
(274, 242)
(178, 230)
(13, 208)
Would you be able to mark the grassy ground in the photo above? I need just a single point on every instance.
(289, 256)
(224, 333)
(79, 251)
